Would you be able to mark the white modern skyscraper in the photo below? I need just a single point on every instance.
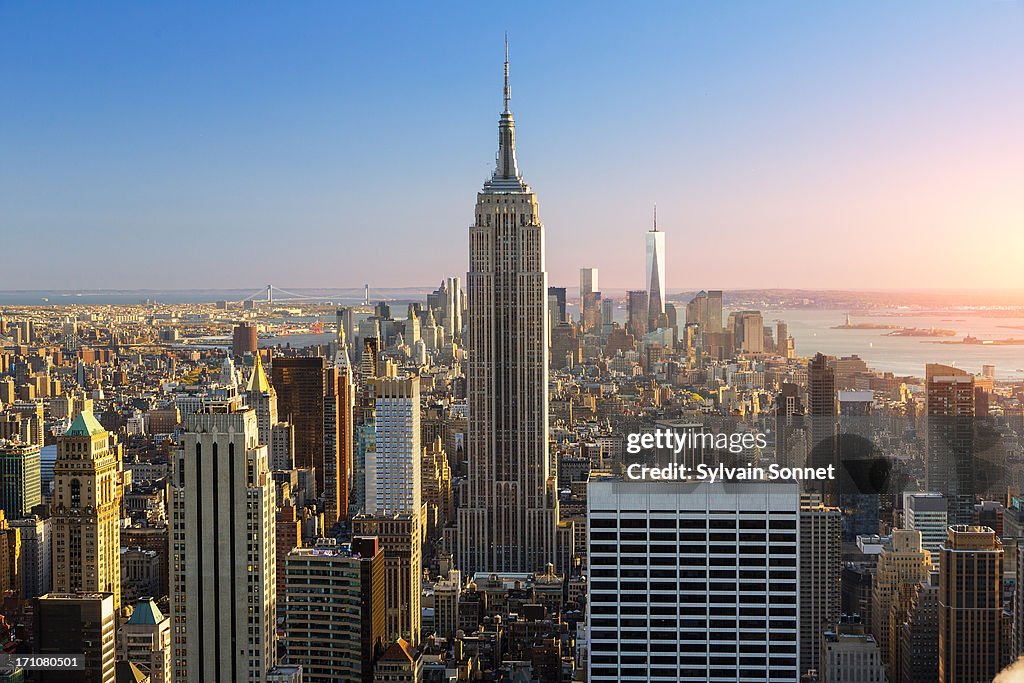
(510, 516)
(393, 466)
(655, 269)
(693, 581)
(588, 281)
(223, 545)
(928, 514)
(590, 300)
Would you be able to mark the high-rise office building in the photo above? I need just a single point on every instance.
(654, 268)
(748, 333)
(858, 497)
(919, 635)
(86, 511)
(705, 309)
(302, 391)
(637, 313)
(338, 435)
(145, 641)
(223, 580)
(557, 306)
(782, 338)
(263, 399)
(19, 478)
(36, 558)
(453, 304)
(77, 623)
(393, 471)
(928, 514)
(902, 565)
(10, 558)
(821, 412)
(790, 440)
(345, 319)
(950, 436)
(244, 339)
(693, 581)
(1017, 631)
(820, 573)
(401, 538)
(590, 300)
(970, 605)
(849, 655)
(607, 317)
(335, 623)
(510, 517)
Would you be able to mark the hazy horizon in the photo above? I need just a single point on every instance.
(148, 147)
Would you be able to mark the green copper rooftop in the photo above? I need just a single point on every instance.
(85, 424)
(146, 613)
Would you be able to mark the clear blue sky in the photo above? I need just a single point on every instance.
(313, 144)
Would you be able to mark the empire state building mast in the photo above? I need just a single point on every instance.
(509, 519)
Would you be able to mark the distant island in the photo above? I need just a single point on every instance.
(921, 332)
(988, 342)
(896, 330)
(866, 326)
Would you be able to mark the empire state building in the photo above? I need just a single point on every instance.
(509, 517)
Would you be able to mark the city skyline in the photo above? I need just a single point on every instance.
(144, 152)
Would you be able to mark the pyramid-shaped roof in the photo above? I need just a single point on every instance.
(258, 381)
(85, 424)
(146, 613)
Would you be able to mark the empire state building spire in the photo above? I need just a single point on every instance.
(506, 176)
(509, 522)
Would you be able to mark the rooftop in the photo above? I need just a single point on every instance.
(85, 424)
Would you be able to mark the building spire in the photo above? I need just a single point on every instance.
(506, 167)
(508, 89)
(655, 216)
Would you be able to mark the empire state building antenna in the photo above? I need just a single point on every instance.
(508, 88)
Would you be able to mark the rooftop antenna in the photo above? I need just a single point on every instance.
(508, 89)
(655, 216)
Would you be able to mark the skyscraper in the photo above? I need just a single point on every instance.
(510, 519)
(693, 582)
(970, 605)
(86, 511)
(849, 655)
(338, 433)
(654, 264)
(345, 319)
(928, 514)
(19, 478)
(902, 565)
(244, 339)
(856, 452)
(263, 399)
(950, 462)
(145, 640)
(77, 623)
(335, 609)
(637, 313)
(556, 306)
(590, 297)
(401, 538)
(714, 310)
(393, 466)
(821, 411)
(749, 332)
(302, 397)
(820, 571)
(223, 580)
